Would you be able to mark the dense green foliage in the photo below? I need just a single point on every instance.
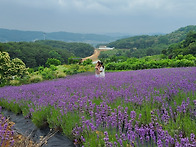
(122, 63)
(45, 73)
(35, 54)
(78, 49)
(187, 46)
(145, 45)
(14, 71)
(53, 61)
(87, 62)
(11, 69)
(74, 60)
(130, 53)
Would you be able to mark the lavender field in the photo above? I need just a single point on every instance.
(155, 107)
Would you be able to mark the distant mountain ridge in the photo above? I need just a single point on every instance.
(117, 40)
(154, 41)
(7, 35)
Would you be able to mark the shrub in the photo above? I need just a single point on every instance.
(164, 63)
(48, 73)
(186, 63)
(14, 82)
(53, 68)
(110, 66)
(53, 61)
(60, 74)
(35, 79)
(87, 62)
(30, 70)
(189, 57)
(10, 68)
(68, 72)
(86, 68)
(75, 67)
(40, 68)
(179, 57)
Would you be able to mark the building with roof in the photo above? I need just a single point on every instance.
(105, 48)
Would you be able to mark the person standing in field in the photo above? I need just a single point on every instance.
(97, 69)
(102, 70)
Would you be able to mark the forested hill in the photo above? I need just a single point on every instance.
(78, 49)
(157, 42)
(7, 35)
(34, 54)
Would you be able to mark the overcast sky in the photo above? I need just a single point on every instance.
(98, 16)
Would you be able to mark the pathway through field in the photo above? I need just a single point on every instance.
(95, 55)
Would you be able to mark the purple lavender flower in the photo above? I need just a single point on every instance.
(113, 103)
(82, 138)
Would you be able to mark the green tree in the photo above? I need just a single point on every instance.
(34, 54)
(192, 48)
(149, 52)
(163, 40)
(74, 60)
(11, 68)
(190, 38)
(19, 68)
(54, 54)
(53, 61)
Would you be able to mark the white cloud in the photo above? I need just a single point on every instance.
(107, 7)
(89, 15)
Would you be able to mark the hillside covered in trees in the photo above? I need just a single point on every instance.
(185, 47)
(35, 54)
(145, 45)
(78, 49)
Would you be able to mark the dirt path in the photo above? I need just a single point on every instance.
(94, 56)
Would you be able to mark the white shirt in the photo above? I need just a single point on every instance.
(102, 72)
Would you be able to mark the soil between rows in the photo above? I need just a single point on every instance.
(26, 128)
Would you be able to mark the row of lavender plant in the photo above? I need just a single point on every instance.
(144, 107)
(6, 134)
